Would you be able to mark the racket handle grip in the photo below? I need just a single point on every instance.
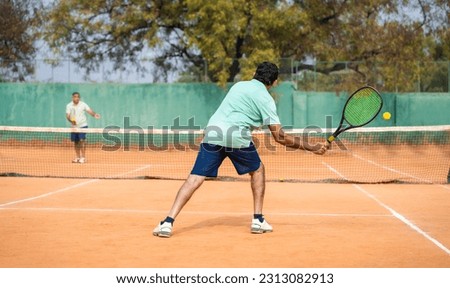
(331, 139)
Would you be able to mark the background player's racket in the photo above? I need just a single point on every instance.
(72, 116)
(360, 109)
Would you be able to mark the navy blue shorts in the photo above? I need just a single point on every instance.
(210, 157)
(76, 137)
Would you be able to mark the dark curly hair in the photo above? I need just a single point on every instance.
(266, 73)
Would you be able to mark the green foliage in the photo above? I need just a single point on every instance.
(230, 37)
(18, 24)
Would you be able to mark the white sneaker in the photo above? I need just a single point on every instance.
(259, 228)
(76, 160)
(82, 160)
(163, 230)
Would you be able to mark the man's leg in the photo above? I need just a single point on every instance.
(82, 144)
(208, 161)
(77, 148)
(82, 138)
(74, 138)
(246, 160)
(258, 183)
(192, 183)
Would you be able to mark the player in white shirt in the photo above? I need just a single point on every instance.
(76, 115)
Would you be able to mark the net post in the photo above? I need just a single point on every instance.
(448, 176)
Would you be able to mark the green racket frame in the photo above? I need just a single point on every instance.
(372, 112)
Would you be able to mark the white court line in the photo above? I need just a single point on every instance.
(69, 188)
(159, 212)
(334, 170)
(132, 171)
(395, 213)
(390, 169)
(404, 220)
(445, 186)
(399, 172)
(49, 193)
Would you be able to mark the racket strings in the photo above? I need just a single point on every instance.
(362, 107)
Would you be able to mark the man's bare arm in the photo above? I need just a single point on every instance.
(93, 114)
(296, 142)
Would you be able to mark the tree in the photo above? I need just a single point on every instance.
(17, 37)
(369, 41)
(200, 33)
(375, 42)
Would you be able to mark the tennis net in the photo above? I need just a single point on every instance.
(362, 155)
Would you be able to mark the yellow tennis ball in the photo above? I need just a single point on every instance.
(386, 115)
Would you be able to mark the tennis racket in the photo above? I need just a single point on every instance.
(72, 116)
(360, 109)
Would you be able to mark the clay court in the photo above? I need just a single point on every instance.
(92, 222)
(368, 205)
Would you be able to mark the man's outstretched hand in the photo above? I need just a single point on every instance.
(322, 148)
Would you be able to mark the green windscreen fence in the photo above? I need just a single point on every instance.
(192, 104)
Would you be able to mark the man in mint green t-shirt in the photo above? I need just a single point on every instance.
(248, 105)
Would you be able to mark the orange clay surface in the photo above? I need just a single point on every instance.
(52, 222)
(360, 164)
